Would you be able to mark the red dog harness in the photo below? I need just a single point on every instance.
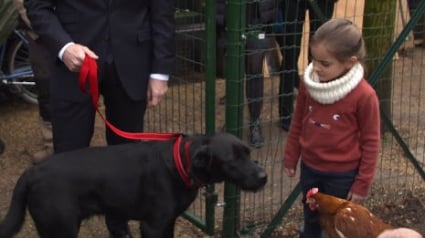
(88, 75)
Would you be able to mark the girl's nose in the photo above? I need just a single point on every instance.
(316, 68)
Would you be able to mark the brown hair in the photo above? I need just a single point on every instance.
(342, 39)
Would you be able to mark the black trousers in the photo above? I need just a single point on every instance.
(1, 146)
(255, 51)
(73, 124)
(337, 184)
(294, 13)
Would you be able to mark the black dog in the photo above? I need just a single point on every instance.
(153, 182)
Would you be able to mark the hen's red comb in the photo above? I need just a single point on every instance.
(312, 192)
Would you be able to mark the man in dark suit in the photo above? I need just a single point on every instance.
(134, 44)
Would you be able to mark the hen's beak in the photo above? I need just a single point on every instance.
(311, 203)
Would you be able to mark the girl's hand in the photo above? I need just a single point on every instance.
(290, 172)
(355, 197)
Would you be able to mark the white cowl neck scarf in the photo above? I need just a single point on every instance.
(332, 91)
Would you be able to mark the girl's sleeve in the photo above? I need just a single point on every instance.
(292, 149)
(370, 142)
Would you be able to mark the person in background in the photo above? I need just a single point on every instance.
(400, 233)
(134, 45)
(418, 30)
(258, 15)
(7, 24)
(2, 146)
(293, 14)
(335, 131)
(41, 62)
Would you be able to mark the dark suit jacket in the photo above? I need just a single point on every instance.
(139, 35)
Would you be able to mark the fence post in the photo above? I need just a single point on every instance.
(234, 76)
(210, 62)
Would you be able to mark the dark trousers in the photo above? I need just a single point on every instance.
(1, 146)
(256, 50)
(293, 13)
(41, 61)
(332, 183)
(73, 124)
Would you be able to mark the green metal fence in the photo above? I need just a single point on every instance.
(191, 106)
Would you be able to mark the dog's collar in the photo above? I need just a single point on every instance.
(181, 169)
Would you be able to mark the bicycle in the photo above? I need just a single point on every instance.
(15, 69)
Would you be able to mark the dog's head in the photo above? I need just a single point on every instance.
(224, 157)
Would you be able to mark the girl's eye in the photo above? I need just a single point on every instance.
(325, 63)
(321, 63)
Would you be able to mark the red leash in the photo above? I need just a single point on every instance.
(88, 76)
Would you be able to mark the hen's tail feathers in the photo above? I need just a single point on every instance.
(14, 219)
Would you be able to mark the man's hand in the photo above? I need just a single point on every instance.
(73, 56)
(156, 91)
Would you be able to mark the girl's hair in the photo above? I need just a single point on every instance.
(342, 39)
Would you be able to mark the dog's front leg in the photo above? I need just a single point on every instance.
(157, 229)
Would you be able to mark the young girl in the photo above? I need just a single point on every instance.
(335, 130)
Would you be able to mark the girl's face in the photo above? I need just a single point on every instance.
(326, 66)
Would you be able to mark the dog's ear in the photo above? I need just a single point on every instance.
(201, 157)
(202, 167)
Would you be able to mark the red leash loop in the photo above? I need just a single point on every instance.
(88, 76)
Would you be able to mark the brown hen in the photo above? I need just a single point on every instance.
(340, 218)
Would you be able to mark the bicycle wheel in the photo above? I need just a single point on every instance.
(18, 63)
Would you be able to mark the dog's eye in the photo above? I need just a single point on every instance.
(241, 153)
(248, 151)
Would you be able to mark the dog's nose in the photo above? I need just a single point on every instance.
(263, 176)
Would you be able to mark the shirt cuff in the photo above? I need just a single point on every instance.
(162, 77)
(62, 51)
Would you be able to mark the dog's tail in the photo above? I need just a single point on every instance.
(14, 219)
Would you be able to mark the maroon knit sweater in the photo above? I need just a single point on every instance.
(337, 137)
